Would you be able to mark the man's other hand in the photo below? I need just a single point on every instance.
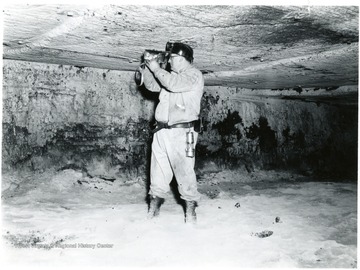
(153, 65)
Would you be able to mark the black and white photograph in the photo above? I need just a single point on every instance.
(179, 135)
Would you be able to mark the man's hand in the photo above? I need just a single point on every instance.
(153, 65)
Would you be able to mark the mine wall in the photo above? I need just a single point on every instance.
(99, 121)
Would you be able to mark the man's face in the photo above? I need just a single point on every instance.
(175, 62)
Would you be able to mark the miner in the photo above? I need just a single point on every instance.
(177, 126)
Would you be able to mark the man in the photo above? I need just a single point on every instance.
(176, 114)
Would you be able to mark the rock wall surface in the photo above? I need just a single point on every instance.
(313, 136)
(99, 121)
(62, 115)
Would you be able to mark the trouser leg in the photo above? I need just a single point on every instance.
(183, 167)
(184, 172)
(160, 170)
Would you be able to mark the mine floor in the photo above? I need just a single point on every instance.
(263, 219)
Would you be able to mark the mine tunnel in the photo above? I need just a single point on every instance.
(276, 162)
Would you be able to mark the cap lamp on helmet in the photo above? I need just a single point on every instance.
(180, 49)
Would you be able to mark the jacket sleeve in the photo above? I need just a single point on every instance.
(177, 82)
(150, 82)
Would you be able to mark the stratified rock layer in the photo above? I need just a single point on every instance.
(71, 117)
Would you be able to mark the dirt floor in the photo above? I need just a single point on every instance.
(263, 219)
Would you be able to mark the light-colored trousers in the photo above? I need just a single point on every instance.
(168, 158)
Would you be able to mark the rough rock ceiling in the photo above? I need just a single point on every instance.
(254, 47)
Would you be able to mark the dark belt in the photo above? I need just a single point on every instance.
(161, 125)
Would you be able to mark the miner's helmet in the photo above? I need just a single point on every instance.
(180, 49)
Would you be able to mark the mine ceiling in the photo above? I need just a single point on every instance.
(255, 47)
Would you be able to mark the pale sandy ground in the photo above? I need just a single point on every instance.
(66, 219)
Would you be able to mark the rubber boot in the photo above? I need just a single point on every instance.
(190, 214)
(154, 208)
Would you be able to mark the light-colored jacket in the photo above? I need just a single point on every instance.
(180, 94)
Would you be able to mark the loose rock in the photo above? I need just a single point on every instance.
(263, 234)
